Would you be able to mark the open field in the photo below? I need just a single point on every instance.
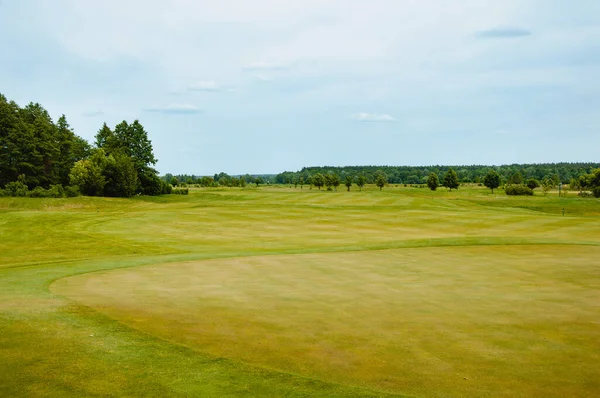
(283, 292)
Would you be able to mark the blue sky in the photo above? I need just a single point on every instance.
(262, 86)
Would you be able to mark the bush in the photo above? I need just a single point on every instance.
(596, 192)
(16, 188)
(38, 192)
(517, 189)
(72, 191)
(180, 191)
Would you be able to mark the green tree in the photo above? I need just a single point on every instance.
(258, 181)
(361, 180)
(532, 183)
(451, 179)
(516, 178)
(432, 181)
(380, 179)
(335, 181)
(120, 175)
(318, 180)
(348, 182)
(105, 138)
(87, 176)
(491, 180)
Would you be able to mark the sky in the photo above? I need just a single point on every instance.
(263, 86)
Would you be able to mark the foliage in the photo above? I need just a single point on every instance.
(318, 180)
(518, 190)
(348, 182)
(532, 183)
(432, 181)
(361, 181)
(516, 178)
(32, 145)
(380, 179)
(451, 180)
(491, 180)
(180, 191)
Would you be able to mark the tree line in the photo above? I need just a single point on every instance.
(41, 158)
(563, 172)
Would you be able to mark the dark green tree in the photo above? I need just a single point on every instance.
(532, 183)
(451, 179)
(491, 180)
(361, 180)
(318, 180)
(348, 182)
(432, 181)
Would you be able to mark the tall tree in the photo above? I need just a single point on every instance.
(451, 179)
(491, 180)
(432, 181)
(105, 138)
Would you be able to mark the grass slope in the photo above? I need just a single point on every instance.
(54, 345)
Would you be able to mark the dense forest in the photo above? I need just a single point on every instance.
(39, 157)
(559, 172)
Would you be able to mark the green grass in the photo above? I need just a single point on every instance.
(284, 292)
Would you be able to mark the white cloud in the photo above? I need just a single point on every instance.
(374, 117)
(177, 109)
(210, 86)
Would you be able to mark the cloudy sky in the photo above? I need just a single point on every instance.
(262, 86)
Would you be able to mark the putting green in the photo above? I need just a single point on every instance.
(437, 321)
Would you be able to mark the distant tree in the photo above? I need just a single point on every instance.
(380, 179)
(547, 185)
(301, 181)
(516, 178)
(491, 180)
(532, 183)
(335, 181)
(318, 180)
(361, 180)
(174, 181)
(451, 179)
(594, 182)
(242, 181)
(432, 181)
(258, 181)
(328, 178)
(348, 182)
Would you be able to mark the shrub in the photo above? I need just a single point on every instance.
(180, 191)
(56, 191)
(517, 189)
(72, 191)
(596, 192)
(16, 188)
(38, 192)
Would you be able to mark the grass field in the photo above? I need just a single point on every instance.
(289, 292)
